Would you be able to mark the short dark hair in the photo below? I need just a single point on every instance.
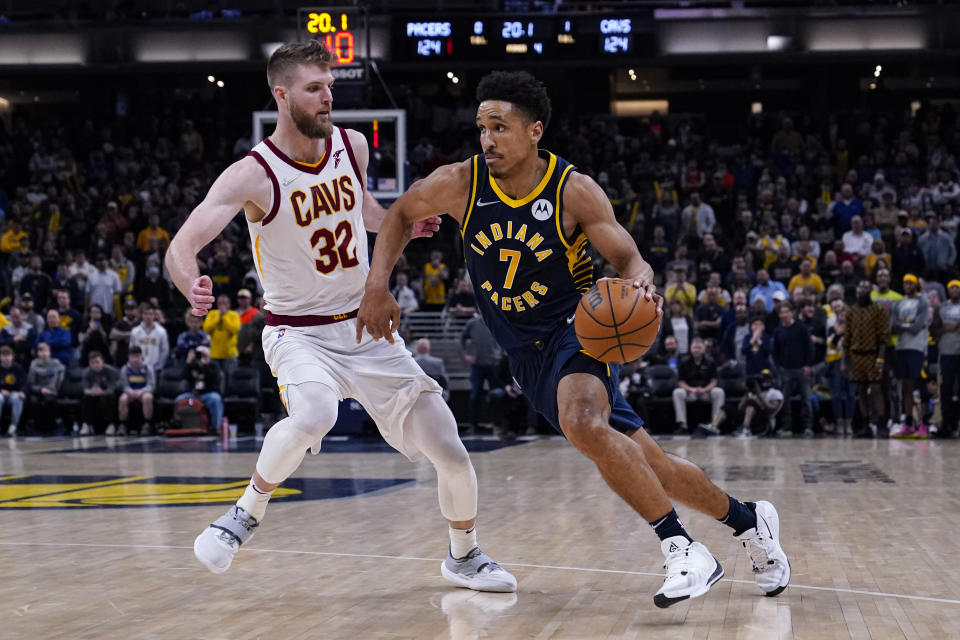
(92, 355)
(135, 350)
(289, 55)
(520, 89)
(6, 350)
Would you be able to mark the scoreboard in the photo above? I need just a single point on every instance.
(519, 36)
(339, 29)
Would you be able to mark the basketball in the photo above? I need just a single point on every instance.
(615, 322)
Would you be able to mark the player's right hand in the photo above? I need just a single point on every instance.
(201, 296)
(380, 314)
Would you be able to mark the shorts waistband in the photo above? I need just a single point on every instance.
(274, 320)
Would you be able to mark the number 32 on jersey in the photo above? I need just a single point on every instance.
(335, 247)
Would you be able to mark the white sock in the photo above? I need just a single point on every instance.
(462, 541)
(254, 501)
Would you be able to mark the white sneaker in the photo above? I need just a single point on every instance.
(691, 571)
(218, 543)
(12, 431)
(479, 572)
(111, 430)
(771, 568)
(86, 430)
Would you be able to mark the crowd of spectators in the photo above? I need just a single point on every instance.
(764, 248)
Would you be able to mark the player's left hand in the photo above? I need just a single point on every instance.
(650, 293)
(380, 314)
(425, 228)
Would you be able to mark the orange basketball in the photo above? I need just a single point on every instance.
(615, 322)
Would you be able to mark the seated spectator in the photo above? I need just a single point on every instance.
(56, 338)
(153, 230)
(192, 338)
(43, 386)
(657, 251)
(905, 257)
(152, 339)
(697, 218)
(698, 382)
(782, 269)
(204, 379)
(223, 326)
(93, 335)
(668, 353)
(70, 318)
(806, 278)
(245, 306)
(845, 208)
(724, 299)
(878, 253)
(13, 383)
(763, 400)
(405, 296)
(154, 288)
(136, 386)
(99, 396)
(20, 336)
(36, 283)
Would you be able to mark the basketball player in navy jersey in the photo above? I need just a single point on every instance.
(528, 221)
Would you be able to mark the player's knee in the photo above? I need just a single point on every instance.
(313, 412)
(585, 431)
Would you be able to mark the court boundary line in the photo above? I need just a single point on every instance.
(877, 594)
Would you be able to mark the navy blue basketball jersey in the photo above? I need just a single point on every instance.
(527, 275)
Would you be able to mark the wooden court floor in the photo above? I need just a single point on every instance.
(96, 542)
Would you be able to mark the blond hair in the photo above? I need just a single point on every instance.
(291, 54)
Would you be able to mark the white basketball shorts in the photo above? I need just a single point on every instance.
(384, 378)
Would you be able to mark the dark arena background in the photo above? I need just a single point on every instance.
(789, 170)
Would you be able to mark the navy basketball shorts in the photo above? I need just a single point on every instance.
(539, 369)
(907, 364)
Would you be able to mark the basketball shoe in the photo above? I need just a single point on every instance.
(219, 542)
(477, 571)
(771, 568)
(691, 571)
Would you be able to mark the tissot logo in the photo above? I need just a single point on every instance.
(542, 209)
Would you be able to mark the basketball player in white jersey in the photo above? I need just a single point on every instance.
(303, 192)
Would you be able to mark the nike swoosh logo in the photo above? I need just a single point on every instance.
(287, 181)
(570, 319)
(484, 204)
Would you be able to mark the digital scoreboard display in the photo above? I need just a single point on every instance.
(522, 36)
(339, 29)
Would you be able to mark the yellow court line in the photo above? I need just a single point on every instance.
(79, 487)
(14, 477)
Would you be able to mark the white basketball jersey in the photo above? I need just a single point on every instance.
(311, 248)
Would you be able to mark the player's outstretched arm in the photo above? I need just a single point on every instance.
(242, 182)
(373, 212)
(585, 201)
(443, 191)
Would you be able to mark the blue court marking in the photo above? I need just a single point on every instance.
(212, 444)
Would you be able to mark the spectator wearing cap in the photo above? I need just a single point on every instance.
(223, 325)
(679, 289)
(192, 338)
(938, 251)
(845, 208)
(245, 306)
(906, 257)
(946, 327)
(204, 377)
(102, 285)
(121, 330)
(765, 289)
(793, 355)
(32, 318)
(910, 322)
(152, 339)
(880, 188)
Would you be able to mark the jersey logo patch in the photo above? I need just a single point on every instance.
(542, 209)
(287, 181)
(486, 204)
(336, 158)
